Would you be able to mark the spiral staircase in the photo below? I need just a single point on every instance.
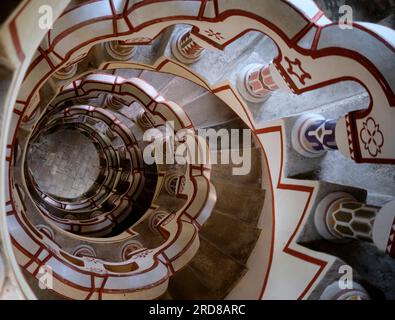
(302, 107)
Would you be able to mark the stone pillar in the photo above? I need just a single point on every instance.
(129, 248)
(113, 103)
(313, 135)
(154, 220)
(110, 134)
(120, 50)
(66, 72)
(46, 230)
(142, 120)
(172, 183)
(339, 216)
(334, 292)
(255, 83)
(84, 251)
(185, 49)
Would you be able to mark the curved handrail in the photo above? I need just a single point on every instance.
(182, 241)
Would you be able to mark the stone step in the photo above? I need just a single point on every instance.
(215, 66)
(169, 203)
(186, 285)
(148, 54)
(215, 269)
(130, 112)
(206, 110)
(148, 191)
(150, 171)
(203, 107)
(128, 73)
(159, 49)
(223, 132)
(148, 238)
(253, 47)
(234, 237)
(180, 90)
(156, 79)
(225, 171)
(241, 201)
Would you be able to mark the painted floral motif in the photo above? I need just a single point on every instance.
(372, 137)
(212, 33)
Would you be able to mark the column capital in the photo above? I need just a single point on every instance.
(112, 103)
(66, 72)
(185, 49)
(255, 82)
(142, 120)
(325, 218)
(84, 251)
(129, 248)
(173, 182)
(313, 135)
(155, 219)
(120, 50)
(339, 216)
